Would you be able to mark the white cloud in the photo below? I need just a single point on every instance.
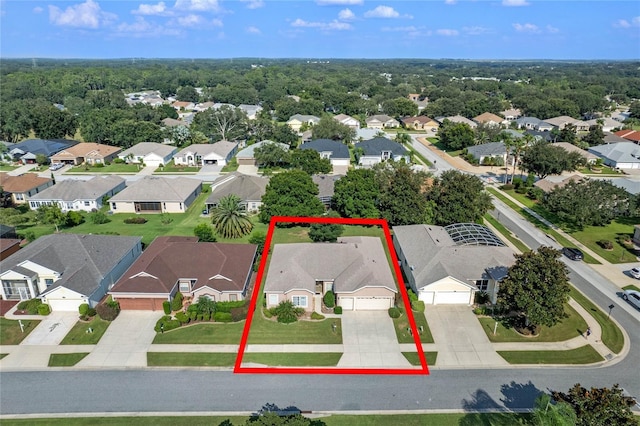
(346, 15)
(198, 5)
(526, 28)
(339, 2)
(450, 1)
(515, 3)
(476, 30)
(447, 32)
(382, 12)
(253, 4)
(38, 9)
(190, 20)
(150, 9)
(552, 29)
(333, 25)
(253, 30)
(143, 28)
(217, 23)
(82, 15)
(623, 23)
(400, 29)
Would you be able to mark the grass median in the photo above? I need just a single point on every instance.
(582, 355)
(80, 335)
(66, 360)
(402, 328)
(413, 358)
(216, 359)
(612, 336)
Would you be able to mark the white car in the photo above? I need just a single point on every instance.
(635, 273)
(56, 166)
(632, 297)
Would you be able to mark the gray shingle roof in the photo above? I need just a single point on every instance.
(375, 146)
(337, 148)
(222, 148)
(248, 188)
(248, 152)
(487, 149)
(621, 152)
(73, 189)
(326, 184)
(152, 188)
(145, 148)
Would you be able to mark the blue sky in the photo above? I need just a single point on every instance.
(466, 29)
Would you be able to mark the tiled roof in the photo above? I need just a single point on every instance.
(21, 183)
(75, 189)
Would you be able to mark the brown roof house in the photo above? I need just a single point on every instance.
(87, 152)
(421, 122)
(354, 268)
(182, 264)
(23, 186)
(489, 119)
(550, 183)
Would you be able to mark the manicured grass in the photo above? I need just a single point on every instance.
(567, 329)
(582, 355)
(319, 359)
(111, 168)
(506, 233)
(631, 287)
(190, 359)
(413, 359)
(127, 421)
(203, 334)
(78, 335)
(231, 166)
(7, 168)
(418, 155)
(10, 333)
(402, 324)
(267, 331)
(612, 336)
(170, 167)
(66, 360)
(3, 355)
(603, 170)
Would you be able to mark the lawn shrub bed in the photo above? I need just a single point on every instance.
(30, 306)
(135, 220)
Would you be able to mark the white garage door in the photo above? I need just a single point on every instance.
(452, 297)
(346, 303)
(373, 303)
(64, 304)
(426, 297)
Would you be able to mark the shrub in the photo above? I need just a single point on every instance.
(605, 244)
(287, 312)
(73, 218)
(417, 305)
(394, 312)
(83, 309)
(99, 165)
(535, 193)
(267, 313)
(91, 312)
(205, 233)
(135, 220)
(517, 182)
(200, 316)
(239, 313)
(98, 218)
(507, 187)
(118, 160)
(31, 306)
(176, 303)
(193, 315)
(206, 316)
(107, 311)
(531, 179)
(481, 297)
(44, 309)
(337, 310)
(227, 306)
(182, 317)
(222, 317)
(316, 316)
(168, 323)
(329, 299)
(412, 296)
(166, 307)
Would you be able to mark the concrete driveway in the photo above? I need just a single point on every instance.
(369, 341)
(52, 329)
(459, 337)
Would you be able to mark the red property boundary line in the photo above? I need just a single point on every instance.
(424, 370)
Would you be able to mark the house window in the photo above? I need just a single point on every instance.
(87, 203)
(19, 196)
(483, 285)
(48, 281)
(16, 289)
(113, 206)
(273, 299)
(184, 287)
(300, 301)
(233, 297)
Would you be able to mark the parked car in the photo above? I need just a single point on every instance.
(635, 273)
(632, 297)
(572, 253)
(56, 166)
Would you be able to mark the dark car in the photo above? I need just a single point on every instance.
(572, 253)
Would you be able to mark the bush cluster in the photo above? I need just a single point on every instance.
(182, 318)
(166, 307)
(31, 306)
(135, 220)
(316, 316)
(605, 244)
(394, 312)
(507, 187)
(176, 303)
(83, 309)
(239, 313)
(169, 324)
(417, 305)
(108, 310)
(329, 299)
(44, 309)
(222, 317)
(227, 306)
(337, 310)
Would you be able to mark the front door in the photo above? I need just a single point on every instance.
(24, 293)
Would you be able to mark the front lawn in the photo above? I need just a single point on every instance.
(79, 334)
(567, 329)
(295, 359)
(413, 359)
(231, 166)
(66, 360)
(111, 168)
(612, 336)
(171, 167)
(191, 359)
(10, 333)
(402, 328)
(582, 355)
(266, 331)
(7, 167)
(203, 334)
(436, 142)
(602, 170)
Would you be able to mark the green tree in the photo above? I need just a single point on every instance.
(517, 147)
(230, 219)
(271, 155)
(15, 121)
(309, 161)
(291, 193)
(356, 194)
(187, 94)
(206, 306)
(546, 413)
(181, 135)
(287, 312)
(50, 214)
(48, 122)
(167, 111)
(544, 159)
(205, 233)
(284, 134)
(400, 107)
(455, 136)
(569, 134)
(599, 406)
(329, 128)
(403, 138)
(595, 136)
(42, 159)
(458, 198)
(258, 238)
(326, 232)
(225, 123)
(73, 218)
(634, 110)
(537, 286)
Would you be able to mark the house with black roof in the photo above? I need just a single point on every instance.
(335, 151)
(26, 151)
(376, 150)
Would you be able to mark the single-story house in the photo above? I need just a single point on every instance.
(366, 134)
(561, 121)
(541, 135)
(448, 265)
(297, 120)
(326, 185)
(421, 122)
(608, 123)
(182, 264)
(382, 121)
(629, 135)
(8, 246)
(27, 151)
(246, 157)
(86, 152)
(533, 123)
(377, 150)
(335, 151)
(489, 119)
(550, 183)
(249, 189)
(621, 155)
(66, 270)
(511, 114)
(153, 194)
(458, 119)
(24, 186)
(207, 153)
(79, 195)
(354, 268)
(348, 121)
(150, 154)
(488, 150)
(632, 186)
(203, 106)
(183, 105)
(569, 147)
(252, 111)
(172, 122)
(613, 138)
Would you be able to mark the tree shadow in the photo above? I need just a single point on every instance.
(485, 411)
(519, 395)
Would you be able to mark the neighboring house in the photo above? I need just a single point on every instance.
(458, 119)
(153, 194)
(608, 124)
(7, 231)
(513, 133)
(620, 115)
(421, 122)
(172, 122)
(632, 186)
(348, 121)
(24, 186)
(382, 121)
(366, 134)
(541, 136)
(533, 123)
(209, 153)
(203, 106)
(629, 135)
(550, 183)
(589, 158)
(66, 270)
(296, 121)
(150, 154)
(354, 268)
(448, 265)
(377, 150)
(181, 264)
(511, 114)
(246, 157)
(249, 189)
(252, 111)
(335, 151)
(8, 246)
(326, 185)
(488, 150)
(27, 151)
(621, 155)
(613, 138)
(183, 105)
(86, 152)
(490, 119)
(562, 121)
(79, 195)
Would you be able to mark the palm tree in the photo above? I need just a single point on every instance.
(229, 219)
(517, 146)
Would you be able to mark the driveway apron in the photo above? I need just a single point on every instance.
(52, 329)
